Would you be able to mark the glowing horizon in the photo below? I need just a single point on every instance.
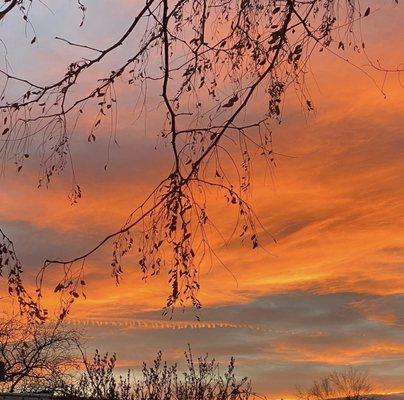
(329, 293)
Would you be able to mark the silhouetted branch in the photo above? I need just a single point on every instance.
(8, 8)
(211, 57)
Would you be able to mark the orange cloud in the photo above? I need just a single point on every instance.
(334, 204)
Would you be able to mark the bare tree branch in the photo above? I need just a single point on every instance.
(210, 58)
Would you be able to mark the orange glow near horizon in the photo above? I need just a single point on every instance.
(334, 203)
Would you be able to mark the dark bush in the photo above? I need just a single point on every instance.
(201, 380)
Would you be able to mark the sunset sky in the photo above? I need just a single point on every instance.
(328, 294)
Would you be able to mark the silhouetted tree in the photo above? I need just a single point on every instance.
(210, 58)
(351, 384)
(36, 357)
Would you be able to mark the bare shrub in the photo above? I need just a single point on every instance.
(351, 384)
(201, 380)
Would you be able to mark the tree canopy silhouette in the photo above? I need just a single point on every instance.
(351, 384)
(209, 59)
(36, 357)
